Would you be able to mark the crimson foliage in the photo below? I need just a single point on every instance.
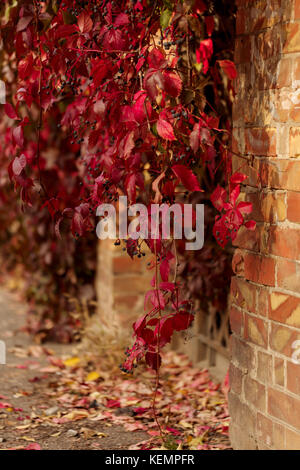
(131, 86)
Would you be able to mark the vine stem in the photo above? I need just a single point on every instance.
(40, 119)
(158, 346)
(176, 261)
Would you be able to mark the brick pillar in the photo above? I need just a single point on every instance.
(121, 285)
(264, 400)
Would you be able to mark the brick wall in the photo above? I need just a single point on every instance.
(264, 399)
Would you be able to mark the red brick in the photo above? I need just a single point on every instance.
(278, 436)
(288, 275)
(256, 330)
(259, 269)
(264, 367)
(255, 393)
(242, 353)
(285, 73)
(267, 206)
(292, 440)
(293, 207)
(272, 173)
(268, 43)
(238, 262)
(294, 116)
(263, 302)
(243, 294)
(130, 285)
(242, 434)
(281, 174)
(235, 379)
(297, 14)
(240, 21)
(270, 433)
(282, 106)
(296, 61)
(261, 141)
(242, 50)
(254, 267)
(293, 378)
(285, 308)
(292, 38)
(279, 371)
(248, 239)
(124, 264)
(264, 430)
(284, 407)
(295, 138)
(236, 320)
(281, 339)
(283, 242)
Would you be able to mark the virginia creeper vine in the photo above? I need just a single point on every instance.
(130, 84)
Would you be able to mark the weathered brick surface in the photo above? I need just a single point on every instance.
(264, 401)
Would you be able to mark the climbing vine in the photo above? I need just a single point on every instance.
(130, 94)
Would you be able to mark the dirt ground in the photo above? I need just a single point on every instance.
(54, 397)
(21, 389)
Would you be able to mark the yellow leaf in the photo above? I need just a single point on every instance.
(92, 376)
(185, 424)
(76, 414)
(197, 441)
(72, 361)
(198, 67)
(25, 438)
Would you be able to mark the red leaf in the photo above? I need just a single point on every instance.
(19, 164)
(210, 24)
(153, 82)
(153, 360)
(199, 135)
(221, 232)
(114, 40)
(77, 224)
(33, 446)
(113, 404)
(229, 68)
(121, 20)
(167, 286)
(165, 129)
(85, 23)
(156, 59)
(234, 194)
(130, 187)
(204, 53)
(244, 207)
(25, 67)
(23, 23)
(18, 136)
(218, 198)
(172, 84)
(187, 177)
(182, 321)
(10, 111)
(164, 270)
(238, 178)
(65, 30)
(250, 225)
